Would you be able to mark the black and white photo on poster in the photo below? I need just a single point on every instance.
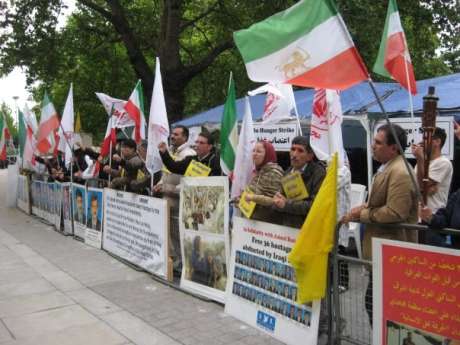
(203, 215)
(262, 288)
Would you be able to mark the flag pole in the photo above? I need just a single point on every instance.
(297, 116)
(411, 105)
(395, 137)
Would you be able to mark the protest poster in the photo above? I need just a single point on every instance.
(66, 206)
(416, 292)
(79, 210)
(279, 134)
(444, 122)
(35, 195)
(50, 202)
(93, 233)
(203, 225)
(262, 289)
(136, 229)
(57, 205)
(23, 194)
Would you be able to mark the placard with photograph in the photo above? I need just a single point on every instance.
(79, 210)
(203, 224)
(262, 288)
(94, 202)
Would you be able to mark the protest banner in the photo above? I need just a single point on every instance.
(79, 210)
(23, 194)
(57, 205)
(262, 289)
(66, 206)
(203, 225)
(136, 229)
(416, 292)
(279, 134)
(93, 232)
(444, 122)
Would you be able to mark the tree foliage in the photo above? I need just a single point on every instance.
(107, 44)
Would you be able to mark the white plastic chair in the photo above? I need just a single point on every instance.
(358, 196)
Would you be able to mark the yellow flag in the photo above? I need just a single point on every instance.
(316, 238)
(78, 124)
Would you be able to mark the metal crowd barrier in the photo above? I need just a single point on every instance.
(346, 298)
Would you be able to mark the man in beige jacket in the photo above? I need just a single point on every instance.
(392, 199)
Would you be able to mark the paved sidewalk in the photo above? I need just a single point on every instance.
(55, 290)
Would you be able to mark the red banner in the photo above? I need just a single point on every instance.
(420, 289)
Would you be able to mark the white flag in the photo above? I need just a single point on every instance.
(116, 107)
(31, 119)
(279, 104)
(158, 130)
(326, 125)
(244, 165)
(66, 134)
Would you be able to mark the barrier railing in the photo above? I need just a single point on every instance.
(348, 300)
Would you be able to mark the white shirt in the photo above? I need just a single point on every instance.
(440, 171)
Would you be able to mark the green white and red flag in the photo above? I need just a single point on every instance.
(307, 45)
(49, 123)
(5, 136)
(135, 109)
(229, 132)
(394, 60)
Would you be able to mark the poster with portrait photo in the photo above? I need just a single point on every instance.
(79, 210)
(57, 205)
(23, 202)
(94, 212)
(203, 224)
(66, 207)
(262, 288)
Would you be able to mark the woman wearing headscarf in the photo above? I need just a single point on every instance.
(266, 181)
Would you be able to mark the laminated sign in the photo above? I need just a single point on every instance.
(246, 207)
(293, 186)
(197, 169)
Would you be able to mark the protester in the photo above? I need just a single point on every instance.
(205, 154)
(303, 160)
(143, 182)
(440, 177)
(265, 183)
(130, 164)
(168, 186)
(392, 199)
(446, 217)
